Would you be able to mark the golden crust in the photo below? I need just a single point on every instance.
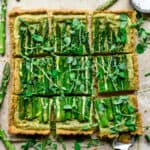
(15, 76)
(136, 71)
(13, 129)
(71, 132)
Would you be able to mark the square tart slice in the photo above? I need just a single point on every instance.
(35, 76)
(117, 115)
(71, 34)
(74, 74)
(30, 34)
(112, 32)
(29, 115)
(116, 73)
(73, 115)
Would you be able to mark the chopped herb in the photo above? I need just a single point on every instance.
(3, 138)
(37, 37)
(147, 137)
(93, 142)
(147, 74)
(77, 146)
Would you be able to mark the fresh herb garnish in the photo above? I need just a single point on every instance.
(77, 146)
(6, 142)
(143, 35)
(147, 74)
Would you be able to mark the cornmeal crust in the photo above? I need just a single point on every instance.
(69, 132)
(13, 129)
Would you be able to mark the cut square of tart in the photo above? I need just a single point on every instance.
(112, 32)
(118, 114)
(75, 74)
(73, 115)
(29, 115)
(116, 73)
(71, 33)
(35, 76)
(30, 34)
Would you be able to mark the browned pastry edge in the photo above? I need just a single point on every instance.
(136, 71)
(71, 132)
(13, 129)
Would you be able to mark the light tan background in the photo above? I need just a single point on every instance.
(143, 59)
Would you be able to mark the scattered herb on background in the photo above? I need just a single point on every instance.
(147, 137)
(5, 141)
(147, 74)
(143, 34)
(77, 146)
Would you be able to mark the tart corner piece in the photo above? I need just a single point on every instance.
(29, 115)
(112, 32)
(71, 33)
(23, 23)
(117, 73)
(73, 115)
(117, 115)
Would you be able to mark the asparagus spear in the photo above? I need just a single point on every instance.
(7, 144)
(2, 27)
(5, 79)
(106, 5)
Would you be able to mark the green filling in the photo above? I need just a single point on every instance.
(72, 36)
(116, 114)
(34, 108)
(34, 37)
(73, 109)
(75, 74)
(38, 76)
(112, 73)
(110, 33)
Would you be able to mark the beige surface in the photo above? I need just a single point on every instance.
(144, 65)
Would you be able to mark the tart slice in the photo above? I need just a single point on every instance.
(117, 115)
(75, 74)
(73, 115)
(112, 32)
(116, 73)
(30, 34)
(35, 76)
(29, 115)
(71, 34)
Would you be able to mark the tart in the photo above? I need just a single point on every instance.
(116, 115)
(73, 115)
(35, 76)
(116, 73)
(71, 34)
(64, 59)
(29, 115)
(75, 74)
(111, 32)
